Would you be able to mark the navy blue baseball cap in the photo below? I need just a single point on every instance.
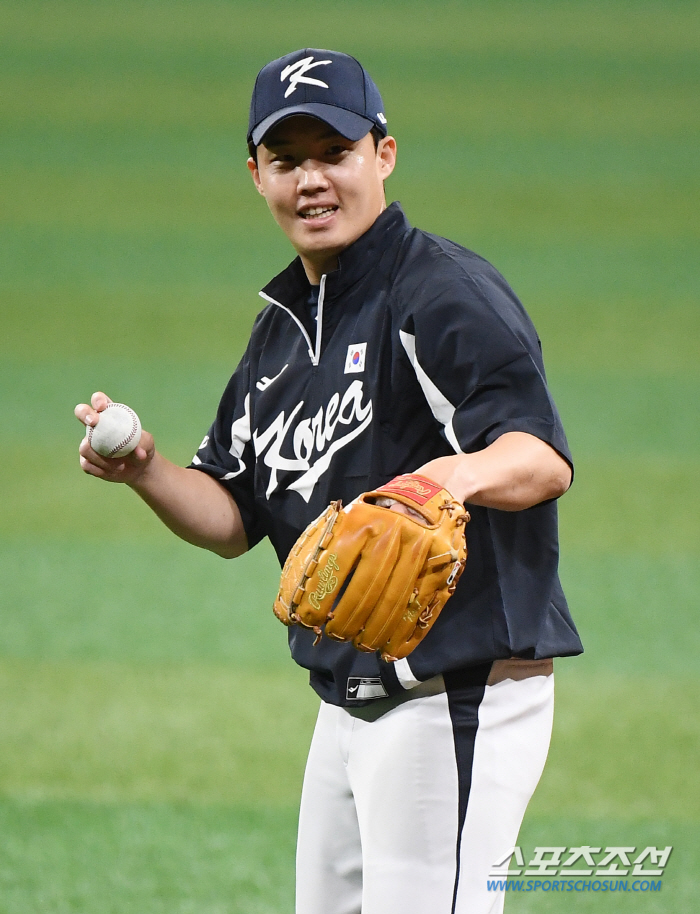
(331, 86)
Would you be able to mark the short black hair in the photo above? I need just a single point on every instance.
(377, 135)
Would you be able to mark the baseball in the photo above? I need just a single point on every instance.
(117, 432)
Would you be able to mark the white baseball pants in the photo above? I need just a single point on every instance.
(408, 803)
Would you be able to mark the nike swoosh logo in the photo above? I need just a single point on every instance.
(353, 688)
(265, 382)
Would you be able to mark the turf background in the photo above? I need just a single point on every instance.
(152, 727)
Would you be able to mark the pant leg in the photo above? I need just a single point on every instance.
(329, 854)
(510, 750)
(404, 775)
(440, 784)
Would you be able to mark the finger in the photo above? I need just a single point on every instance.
(86, 414)
(100, 401)
(400, 508)
(85, 449)
(90, 468)
(108, 464)
(112, 473)
(379, 554)
(145, 448)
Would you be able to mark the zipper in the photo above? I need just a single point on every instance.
(314, 354)
(319, 318)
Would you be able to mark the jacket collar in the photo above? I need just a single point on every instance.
(354, 262)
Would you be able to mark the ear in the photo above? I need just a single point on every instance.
(255, 174)
(386, 156)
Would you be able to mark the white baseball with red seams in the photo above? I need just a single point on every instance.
(117, 433)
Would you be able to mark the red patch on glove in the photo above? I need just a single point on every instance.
(417, 488)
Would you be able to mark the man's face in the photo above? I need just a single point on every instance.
(323, 190)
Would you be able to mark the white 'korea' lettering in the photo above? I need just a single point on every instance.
(312, 436)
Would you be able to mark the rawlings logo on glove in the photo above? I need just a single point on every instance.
(378, 572)
(327, 582)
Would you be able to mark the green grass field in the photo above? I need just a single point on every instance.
(152, 727)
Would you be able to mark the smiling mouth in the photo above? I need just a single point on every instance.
(317, 211)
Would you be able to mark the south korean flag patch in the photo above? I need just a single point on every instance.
(355, 359)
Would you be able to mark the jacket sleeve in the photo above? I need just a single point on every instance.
(478, 360)
(227, 454)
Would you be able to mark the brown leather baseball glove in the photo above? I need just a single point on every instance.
(376, 573)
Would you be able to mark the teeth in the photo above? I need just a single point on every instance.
(318, 211)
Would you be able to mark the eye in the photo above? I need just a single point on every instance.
(335, 150)
(283, 160)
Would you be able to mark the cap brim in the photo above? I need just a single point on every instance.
(348, 124)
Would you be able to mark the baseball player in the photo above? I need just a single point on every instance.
(384, 350)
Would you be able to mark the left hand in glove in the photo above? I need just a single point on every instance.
(375, 576)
